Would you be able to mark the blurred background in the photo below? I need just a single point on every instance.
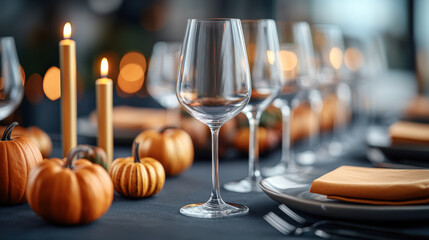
(126, 30)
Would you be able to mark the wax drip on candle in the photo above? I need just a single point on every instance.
(67, 30)
(104, 68)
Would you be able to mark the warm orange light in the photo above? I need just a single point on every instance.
(23, 75)
(336, 57)
(133, 57)
(67, 30)
(271, 57)
(52, 83)
(289, 60)
(353, 58)
(34, 88)
(132, 72)
(251, 54)
(104, 67)
(129, 87)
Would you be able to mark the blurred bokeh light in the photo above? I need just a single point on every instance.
(52, 83)
(34, 88)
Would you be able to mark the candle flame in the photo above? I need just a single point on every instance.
(67, 30)
(104, 67)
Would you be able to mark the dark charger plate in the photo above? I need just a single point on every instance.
(293, 190)
(407, 154)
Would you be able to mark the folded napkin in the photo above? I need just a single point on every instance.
(409, 133)
(375, 185)
(418, 108)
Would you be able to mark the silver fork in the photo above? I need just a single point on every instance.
(343, 228)
(286, 228)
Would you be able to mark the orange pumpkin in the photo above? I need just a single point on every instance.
(136, 177)
(268, 139)
(37, 135)
(171, 146)
(69, 192)
(17, 157)
(42, 140)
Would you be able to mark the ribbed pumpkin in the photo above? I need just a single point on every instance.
(69, 192)
(136, 177)
(171, 146)
(37, 135)
(17, 157)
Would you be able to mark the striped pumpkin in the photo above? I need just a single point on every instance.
(136, 177)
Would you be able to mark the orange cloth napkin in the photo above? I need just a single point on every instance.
(418, 107)
(409, 133)
(375, 185)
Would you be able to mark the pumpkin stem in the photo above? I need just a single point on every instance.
(162, 130)
(136, 152)
(73, 153)
(8, 132)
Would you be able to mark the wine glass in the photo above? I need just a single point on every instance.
(162, 76)
(366, 59)
(11, 82)
(298, 67)
(333, 81)
(213, 85)
(262, 51)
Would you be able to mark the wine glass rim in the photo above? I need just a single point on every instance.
(213, 19)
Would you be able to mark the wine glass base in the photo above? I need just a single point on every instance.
(283, 168)
(244, 186)
(204, 210)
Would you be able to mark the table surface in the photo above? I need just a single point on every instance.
(158, 217)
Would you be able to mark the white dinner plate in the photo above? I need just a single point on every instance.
(293, 190)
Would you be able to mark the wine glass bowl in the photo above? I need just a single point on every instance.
(11, 82)
(214, 111)
(162, 73)
(213, 86)
(162, 77)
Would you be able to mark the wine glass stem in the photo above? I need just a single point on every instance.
(337, 120)
(215, 197)
(254, 118)
(286, 153)
(316, 106)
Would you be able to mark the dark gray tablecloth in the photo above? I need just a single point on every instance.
(158, 217)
